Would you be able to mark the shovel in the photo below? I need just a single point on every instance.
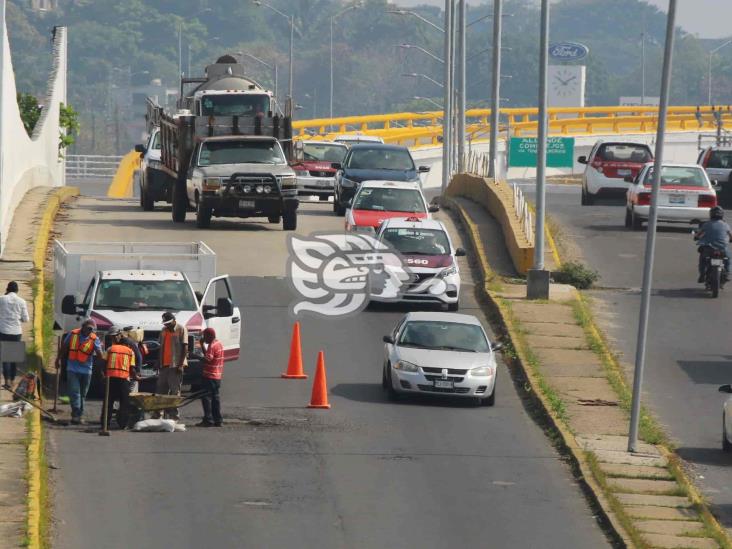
(45, 412)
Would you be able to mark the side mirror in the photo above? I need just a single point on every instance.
(140, 149)
(628, 179)
(582, 160)
(725, 388)
(336, 165)
(495, 347)
(388, 339)
(424, 169)
(68, 305)
(460, 252)
(433, 208)
(224, 307)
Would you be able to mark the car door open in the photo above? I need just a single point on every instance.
(219, 312)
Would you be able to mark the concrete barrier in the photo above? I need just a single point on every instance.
(497, 198)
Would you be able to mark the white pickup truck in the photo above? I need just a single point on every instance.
(133, 283)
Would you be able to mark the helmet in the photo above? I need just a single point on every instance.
(716, 213)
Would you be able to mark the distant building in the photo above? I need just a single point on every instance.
(44, 5)
(637, 101)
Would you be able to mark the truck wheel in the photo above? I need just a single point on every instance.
(289, 220)
(274, 219)
(203, 216)
(146, 199)
(180, 203)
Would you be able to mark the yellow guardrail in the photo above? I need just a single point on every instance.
(121, 186)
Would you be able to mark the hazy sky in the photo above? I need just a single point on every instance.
(707, 18)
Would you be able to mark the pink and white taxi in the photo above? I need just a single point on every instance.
(429, 255)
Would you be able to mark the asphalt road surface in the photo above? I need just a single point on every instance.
(688, 354)
(368, 473)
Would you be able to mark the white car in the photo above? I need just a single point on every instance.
(351, 138)
(440, 354)
(153, 186)
(727, 419)
(685, 196)
(428, 252)
(609, 164)
(377, 201)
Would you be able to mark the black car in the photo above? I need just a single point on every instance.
(371, 162)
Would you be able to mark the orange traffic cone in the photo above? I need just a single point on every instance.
(294, 366)
(319, 398)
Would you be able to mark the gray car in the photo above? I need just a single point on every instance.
(717, 161)
(439, 353)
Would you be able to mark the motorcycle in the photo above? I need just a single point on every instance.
(715, 275)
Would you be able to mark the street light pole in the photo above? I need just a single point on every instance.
(640, 352)
(496, 85)
(447, 101)
(709, 74)
(462, 44)
(332, 19)
(538, 278)
(291, 21)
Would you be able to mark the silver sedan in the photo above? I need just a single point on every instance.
(440, 354)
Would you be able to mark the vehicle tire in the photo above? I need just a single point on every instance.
(636, 222)
(584, 196)
(274, 219)
(146, 199)
(714, 279)
(588, 199)
(491, 400)
(203, 216)
(628, 219)
(289, 220)
(180, 202)
(338, 208)
(453, 307)
(390, 392)
(726, 446)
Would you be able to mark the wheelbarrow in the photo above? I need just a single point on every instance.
(152, 402)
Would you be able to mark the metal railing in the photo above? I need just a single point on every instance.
(80, 167)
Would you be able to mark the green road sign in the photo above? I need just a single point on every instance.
(559, 152)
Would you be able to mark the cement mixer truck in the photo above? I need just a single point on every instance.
(225, 151)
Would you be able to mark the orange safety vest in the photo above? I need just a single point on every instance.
(119, 360)
(78, 351)
(167, 350)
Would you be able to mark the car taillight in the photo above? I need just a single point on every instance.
(707, 200)
(644, 199)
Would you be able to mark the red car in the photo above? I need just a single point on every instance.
(376, 201)
(313, 167)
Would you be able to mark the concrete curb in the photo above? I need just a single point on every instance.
(43, 235)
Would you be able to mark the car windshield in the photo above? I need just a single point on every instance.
(156, 142)
(234, 105)
(687, 176)
(624, 152)
(389, 200)
(380, 159)
(449, 336)
(720, 159)
(324, 152)
(240, 152)
(135, 295)
(417, 241)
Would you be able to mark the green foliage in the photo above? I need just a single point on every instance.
(576, 274)
(30, 111)
(69, 126)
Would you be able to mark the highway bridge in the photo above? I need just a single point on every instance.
(371, 472)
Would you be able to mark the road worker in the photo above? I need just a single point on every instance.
(79, 349)
(119, 365)
(173, 360)
(213, 371)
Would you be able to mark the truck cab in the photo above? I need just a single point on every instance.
(242, 176)
(232, 102)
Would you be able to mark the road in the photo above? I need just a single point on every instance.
(688, 354)
(367, 473)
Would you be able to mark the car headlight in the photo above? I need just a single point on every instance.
(154, 164)
(448, 271)
(405, 366)
(211, 183)
(302, 173)
(348, 182)
(267, 189)
(482, 371)
(363, 229)
(259, 189)
(287, 180)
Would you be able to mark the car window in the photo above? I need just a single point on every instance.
(415, 241)
(155, 145)
(123, 295)
(235, 105)
(678, 175)
(720, 159)
(619, 152)
(240, 152)
(444, 335)
(324, 152)
(380, 159)
(389, 200)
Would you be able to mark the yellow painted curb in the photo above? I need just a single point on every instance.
(43, 235)
(121, 186)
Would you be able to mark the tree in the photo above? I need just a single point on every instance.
(30, 111)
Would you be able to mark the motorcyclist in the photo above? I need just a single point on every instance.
(715, 234)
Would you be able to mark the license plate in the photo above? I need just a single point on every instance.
(624, 172)
(246, 204)
(439, 384)
(717, 262)
(324, 183)
(676, 199)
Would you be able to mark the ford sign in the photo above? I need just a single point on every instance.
(568, 51)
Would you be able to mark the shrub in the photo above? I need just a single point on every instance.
(576, 274)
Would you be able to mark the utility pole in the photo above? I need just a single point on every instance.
(538, 279)
(496, 85)
(643, 60)
(640, 352)
(447, 107)
(462, 44)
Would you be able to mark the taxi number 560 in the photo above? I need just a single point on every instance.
(413, 261)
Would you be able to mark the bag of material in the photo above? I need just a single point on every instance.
(155, 425)
(14, 409)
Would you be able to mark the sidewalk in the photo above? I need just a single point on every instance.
(17, 264)
(645, 495)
